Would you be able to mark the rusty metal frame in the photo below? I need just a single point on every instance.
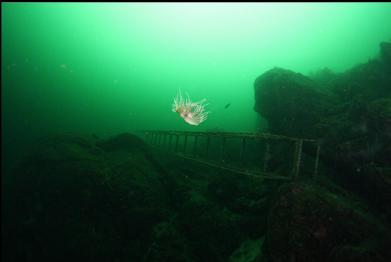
(159, 138)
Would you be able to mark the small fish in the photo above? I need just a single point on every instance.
(227, 105)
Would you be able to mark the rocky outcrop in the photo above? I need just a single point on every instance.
(87, 199)
(79, 198)
(349, 114)
(290, 102)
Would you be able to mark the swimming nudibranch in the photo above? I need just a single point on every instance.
(192, 112)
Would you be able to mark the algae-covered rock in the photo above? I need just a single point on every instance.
(168, 245)
(309, 222)
(348, 113)
(360, 135)
(290, 102)
(78, 198)
(82, 198)
(370, 80)
(324, 78)
(213, 231)
(124, 142)
(249, 251)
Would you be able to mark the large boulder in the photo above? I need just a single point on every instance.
(290, 102)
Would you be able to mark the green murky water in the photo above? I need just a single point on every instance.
(107, 68)
(111, 68)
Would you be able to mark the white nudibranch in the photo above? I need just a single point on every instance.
(192, 112)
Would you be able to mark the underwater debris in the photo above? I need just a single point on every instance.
(192, 112)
